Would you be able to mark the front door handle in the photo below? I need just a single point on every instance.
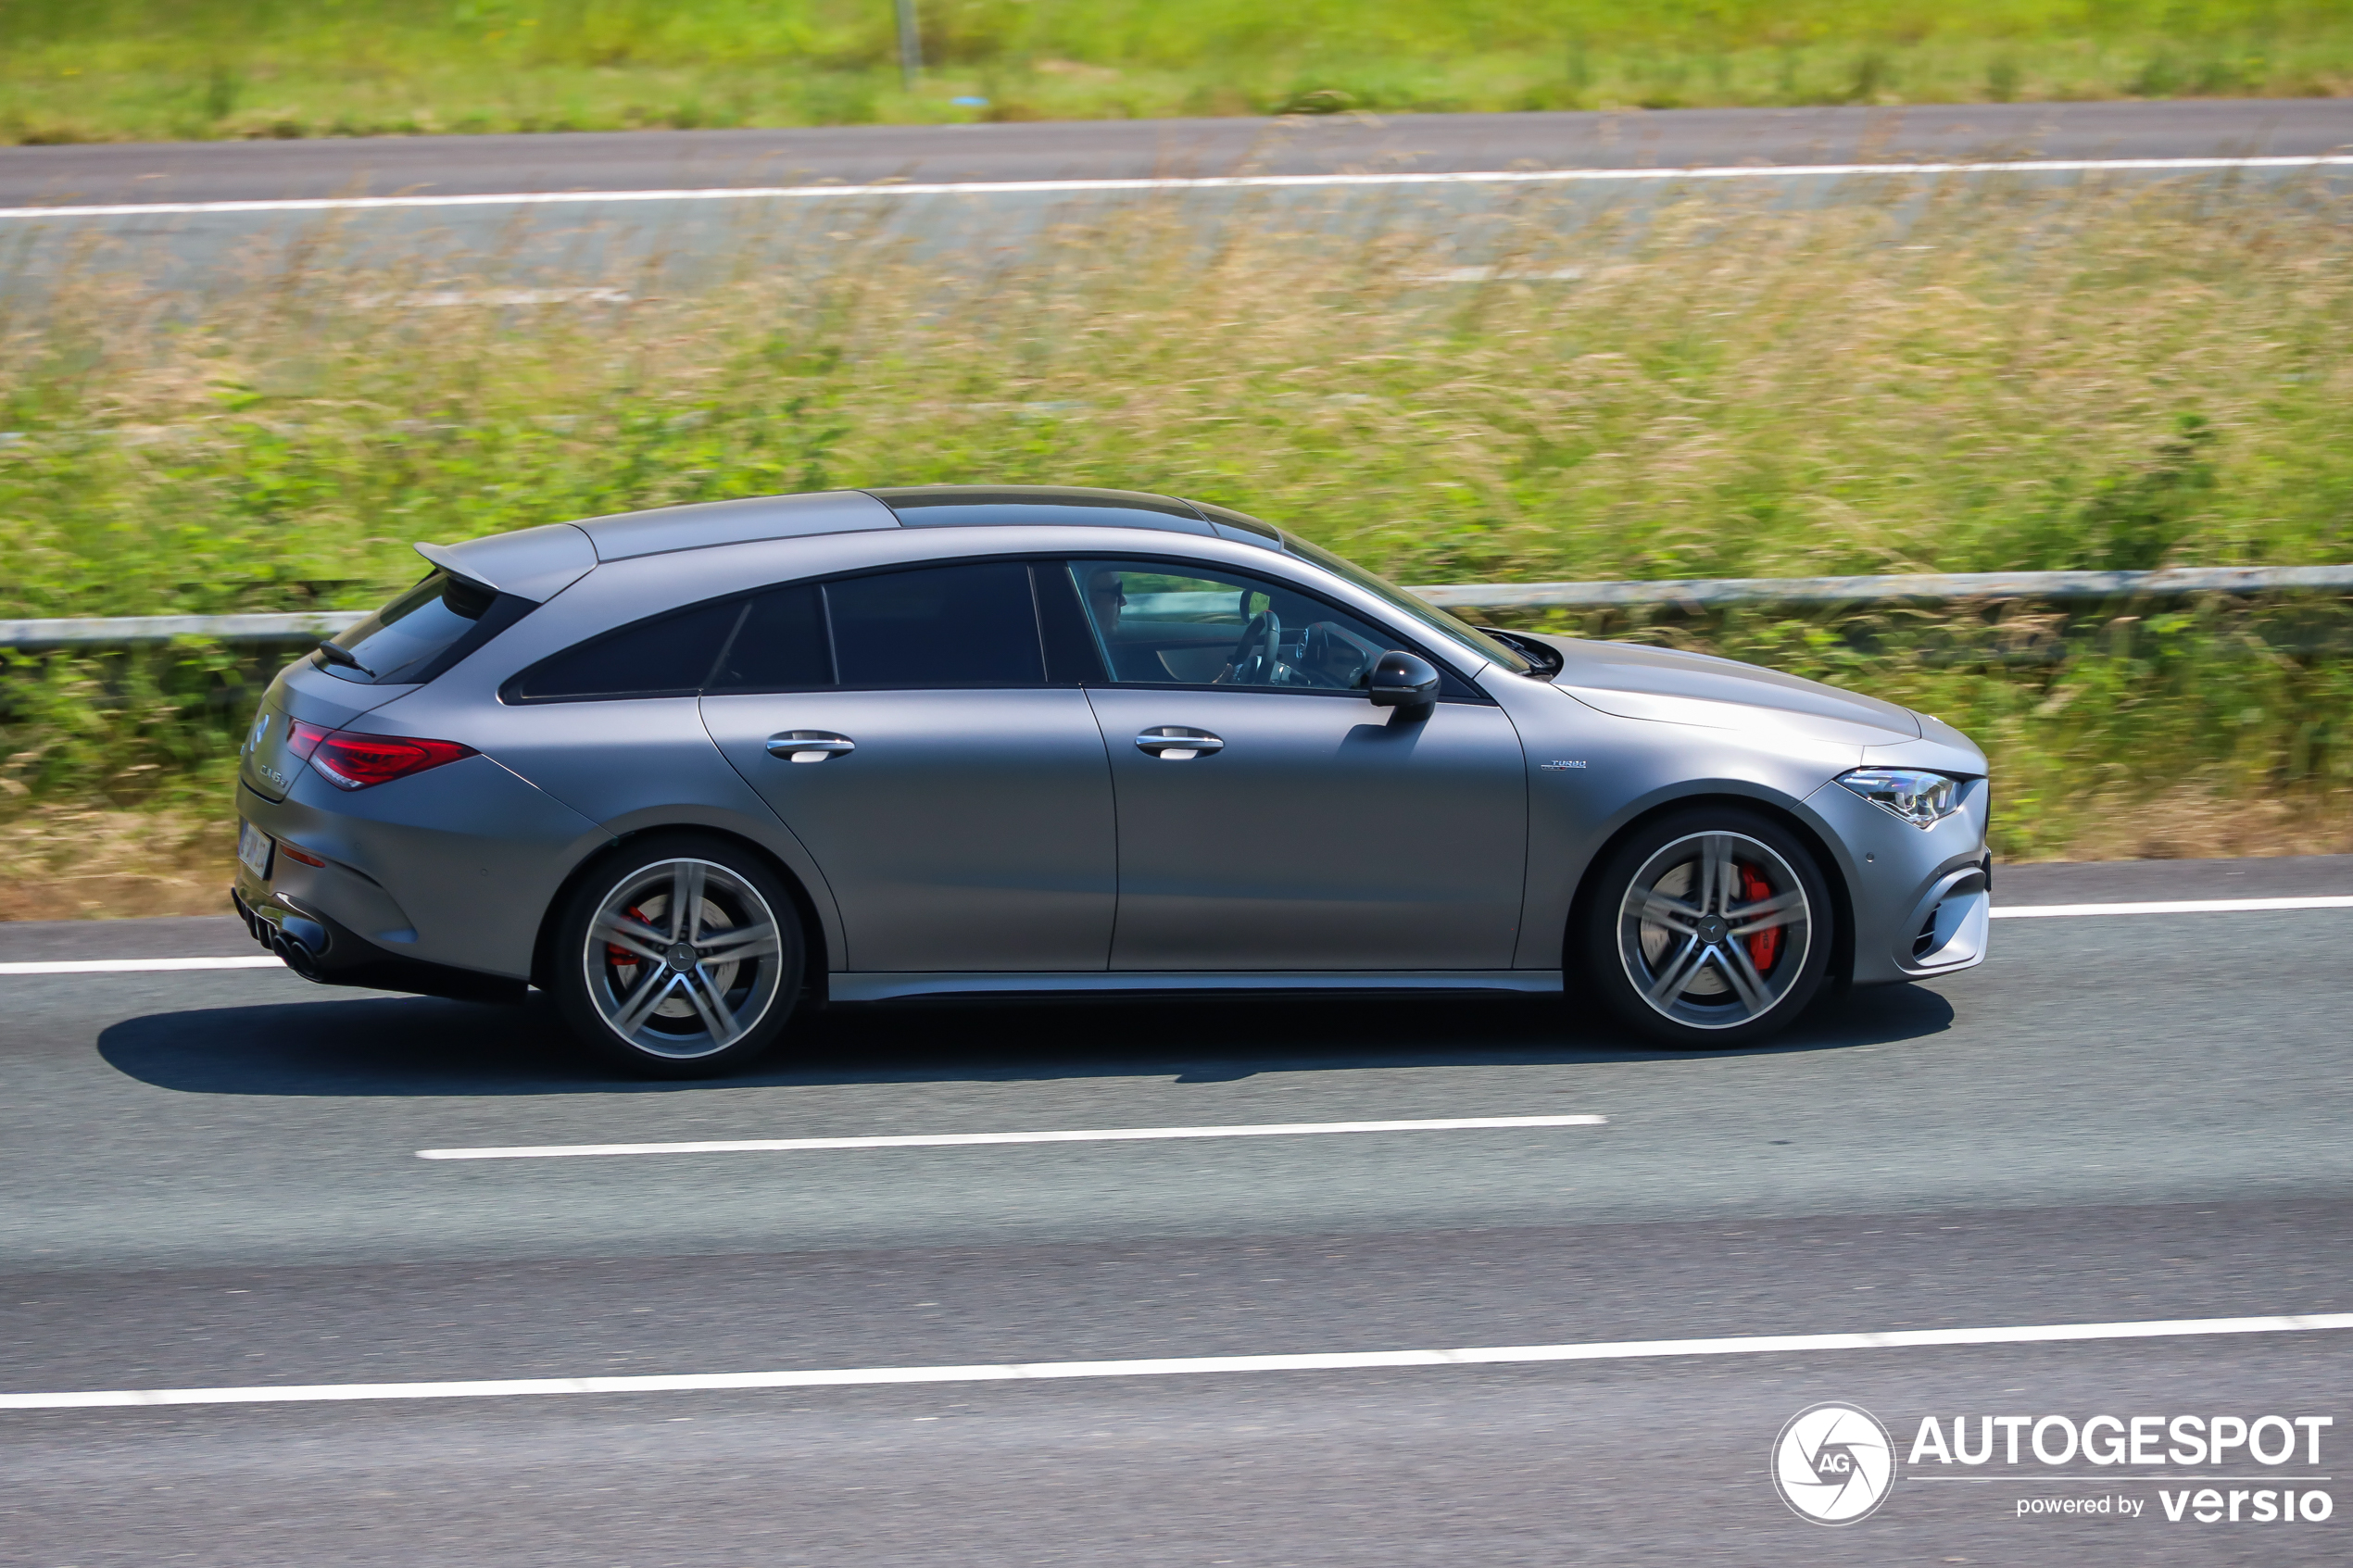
(1175, 743)
(809, 746)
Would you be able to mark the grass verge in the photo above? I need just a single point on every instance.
(195, 68)
(1962, 377)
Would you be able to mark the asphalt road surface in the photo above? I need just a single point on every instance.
(1129, 149)
(623, 201)
(213, 1182)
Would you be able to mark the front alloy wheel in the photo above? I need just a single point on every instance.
(1710, 929)
(681, 961)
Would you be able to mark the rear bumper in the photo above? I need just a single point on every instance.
(317, 947)
(453, 868)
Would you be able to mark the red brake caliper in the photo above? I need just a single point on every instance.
(621, 957)
(1764, 946)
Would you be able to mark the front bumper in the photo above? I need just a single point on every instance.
(1922, 897)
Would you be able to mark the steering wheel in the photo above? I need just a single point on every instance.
(1258, 654)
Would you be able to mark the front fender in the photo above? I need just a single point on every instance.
(1592, 774)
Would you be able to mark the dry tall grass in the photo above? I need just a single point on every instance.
(179, 68)
(1967, 376)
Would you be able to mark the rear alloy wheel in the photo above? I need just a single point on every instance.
(680, 958)
(1712, 928)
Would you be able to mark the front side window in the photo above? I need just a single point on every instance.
(1434, 619)
(1160, 624)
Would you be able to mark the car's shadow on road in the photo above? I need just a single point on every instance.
(371, 1045)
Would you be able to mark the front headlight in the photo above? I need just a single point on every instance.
(1921, 798)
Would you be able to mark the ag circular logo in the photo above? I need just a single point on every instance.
(1833, 1464)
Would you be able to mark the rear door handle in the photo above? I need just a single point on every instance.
(809, 746)
(1175, 743)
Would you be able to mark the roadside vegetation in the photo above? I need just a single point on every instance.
(1972, 377)
(116, 70)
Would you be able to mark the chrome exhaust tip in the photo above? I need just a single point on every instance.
(300, 943)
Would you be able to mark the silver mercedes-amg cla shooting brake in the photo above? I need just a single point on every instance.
(694, 771)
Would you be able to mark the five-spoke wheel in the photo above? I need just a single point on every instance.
(681, 957)
(1712, 927)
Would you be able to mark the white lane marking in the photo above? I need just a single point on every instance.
(1178, 1366)
(958, 1140)
(2180, 906)
(443, 299)
(136, 966)
(1206, 183)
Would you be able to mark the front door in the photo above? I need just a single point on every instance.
(1308, 829)
(958, 806)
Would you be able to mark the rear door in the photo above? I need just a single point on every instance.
(1309, 830)
(957, 800)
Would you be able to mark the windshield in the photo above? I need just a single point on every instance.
(1430, 615)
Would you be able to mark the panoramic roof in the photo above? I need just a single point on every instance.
(992, 506)
(537, 561)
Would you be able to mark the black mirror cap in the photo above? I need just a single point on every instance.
(1402, 680)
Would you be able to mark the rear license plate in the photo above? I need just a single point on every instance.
(253, 848)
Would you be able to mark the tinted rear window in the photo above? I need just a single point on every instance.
(1072, 657)
(422, 631)
(671, 656)
(970, 625)
(781, 646)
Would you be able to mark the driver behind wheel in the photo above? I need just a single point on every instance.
(1106, 597)
(1160, 626)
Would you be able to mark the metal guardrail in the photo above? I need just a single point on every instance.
(2058, 586)
(142, 631)
(134, 631)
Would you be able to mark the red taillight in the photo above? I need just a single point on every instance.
(303, 739)
(350, 762)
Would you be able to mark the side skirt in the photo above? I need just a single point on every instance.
(853, 988)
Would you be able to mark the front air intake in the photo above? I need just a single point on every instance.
(1925, 941)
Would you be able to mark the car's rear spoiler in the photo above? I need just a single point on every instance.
(530, 563)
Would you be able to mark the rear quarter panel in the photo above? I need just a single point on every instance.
(631, 764)
(468, 852)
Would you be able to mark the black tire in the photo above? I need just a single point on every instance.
(1653, 942)
(721, 1004)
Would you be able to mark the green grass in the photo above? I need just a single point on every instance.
(1993, 377)
(181, 69)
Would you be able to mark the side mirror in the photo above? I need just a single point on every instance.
(1402, 680)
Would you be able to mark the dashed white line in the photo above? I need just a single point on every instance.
(958, 1140)
(1179, 1366)
(140, 965)
(1142, 183)
(2175, 907)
